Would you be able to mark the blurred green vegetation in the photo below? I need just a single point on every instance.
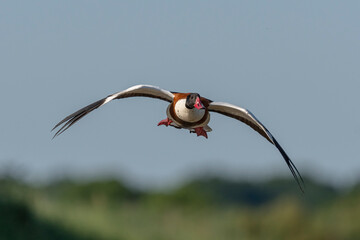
(207, 208)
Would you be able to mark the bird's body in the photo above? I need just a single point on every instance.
(193, 119)
(188, 111)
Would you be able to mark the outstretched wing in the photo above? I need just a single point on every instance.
(248, 118)
(135, 91)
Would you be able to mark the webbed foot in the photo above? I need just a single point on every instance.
(165, 122)
(201, 132)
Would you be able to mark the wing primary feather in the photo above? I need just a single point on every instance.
(73, 118)
(69, 124)
(291, 166)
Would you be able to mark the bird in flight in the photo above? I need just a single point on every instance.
(186, 110)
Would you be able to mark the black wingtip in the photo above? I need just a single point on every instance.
(76, 116)
(296, 174)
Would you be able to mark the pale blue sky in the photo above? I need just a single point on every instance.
(294, 64)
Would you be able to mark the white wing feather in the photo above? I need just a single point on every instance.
(243, 115)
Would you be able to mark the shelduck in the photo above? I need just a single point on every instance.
(188, 111)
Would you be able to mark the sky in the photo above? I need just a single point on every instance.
(293, 64)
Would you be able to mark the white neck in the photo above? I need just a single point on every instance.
(186, 114)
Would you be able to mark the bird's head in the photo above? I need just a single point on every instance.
(193, 100)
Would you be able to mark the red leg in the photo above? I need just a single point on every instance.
(201, 132)
(165, 122)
